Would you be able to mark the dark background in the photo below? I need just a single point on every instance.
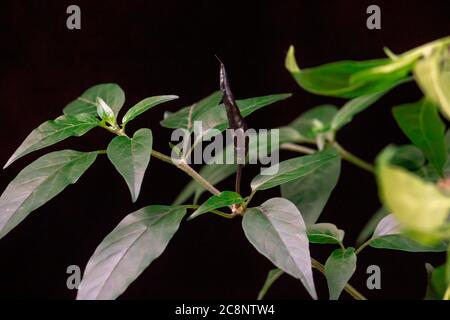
(167, 47)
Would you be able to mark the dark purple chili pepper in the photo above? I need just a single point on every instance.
(236, 122)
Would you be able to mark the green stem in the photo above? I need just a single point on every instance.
(217, 212)
(297, 148)
(183, 166)
(362, 246)
(249, 198)
(351, 290)
(353, 159)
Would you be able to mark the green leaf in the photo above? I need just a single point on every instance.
(311, 191)
(408, 157)
(224, 199)
(397, 65)
(292, 169)
(131, 157)
(339, 268)
(215, 116)
(437, 282)
(370, 226)
(185, 117)
(111, 93)
(54, 131)
(447, 268)
(335, 79)
(276, 229)
(431, 293)
(325, 233)
(128, 250)
(272, 276)
(314, 121)
(387, 235)
(421, 123)
(353, 107)
(417, 204)
(145, 105)
(39, 182)
(433, 76)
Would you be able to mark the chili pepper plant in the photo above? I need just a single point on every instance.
(413, 180)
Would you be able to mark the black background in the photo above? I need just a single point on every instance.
(167, 47)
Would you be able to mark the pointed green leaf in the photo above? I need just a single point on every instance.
(322, 233)
(276, 229)
(352, 108)
(131, 157)
(431, 293)
(314, 121)
(339, 268)
(417, 204)
(433, 76)
(397, 65)
(421, 123)
(54, 131)
(111, 93)
(293, 169)
(144, 106)
(387, 235)
(128, 250)
(224, 199)
(335, 79)
(185, 117)
(215, 116)
(311, 191)
(39, 182)
(370, 226)
(408, 157)
(437, 282)
(272, 276)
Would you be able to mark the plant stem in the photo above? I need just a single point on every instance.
(353, 159)
(217, 212)
(362, 246)
(346, 155)
(182, 165)
(249, 198)
(352, 291)
(297, 148)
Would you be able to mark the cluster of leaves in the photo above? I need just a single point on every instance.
(412, 178)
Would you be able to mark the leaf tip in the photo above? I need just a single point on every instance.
(10, 160)
(192, 216)
(290, 63)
